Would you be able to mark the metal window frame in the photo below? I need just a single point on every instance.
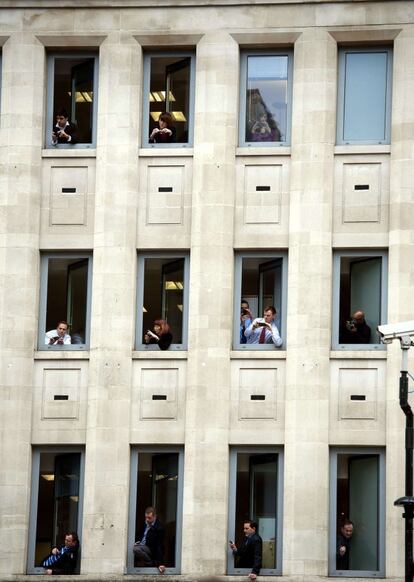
(333, 462)
(145, 100)
(135, 452)
(343, 51)
(139, 345)
(34, 493)
(336, 290)
(44, 271)
(234, 451)
(51, 57)
(239, 256)
(243, 85)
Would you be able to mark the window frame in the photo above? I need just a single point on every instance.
(133, 487)
(234, 451)
(336, 296)
(239, 255)
(34, 493)
(146, 104)
(139, 345)
(333, 463)
(43, 294)
(342, 52)
(242, 97)
(51, 57)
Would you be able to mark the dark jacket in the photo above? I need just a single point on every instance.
(250, 553)
(342, 562)
(66, 563)
(70, 129)
(164, 342)
(362, 335)
(155, 542)
(164, 137)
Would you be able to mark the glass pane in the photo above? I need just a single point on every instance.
(58, 501)
(266, 98)
(256, 499)
(365, 102)
(164, 297)
(157, 487)
(360, 300)
(357, 501)
(170, 92)
(67, 284)
(74, 92)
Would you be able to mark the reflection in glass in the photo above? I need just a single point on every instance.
(266, 98)
(262, 285)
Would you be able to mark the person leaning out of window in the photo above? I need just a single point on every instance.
(166, 132)
(63, 131)
(58, 336)
(160, 335)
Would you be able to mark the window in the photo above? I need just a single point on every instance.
(265, 98)
(56, 501)
(64, 319)
(360, 293)
(157, 481)
(260, 282)
(72, 86)
(162, 295)
(364, 96)
(256, 481)
(169, 88)
(357, 494)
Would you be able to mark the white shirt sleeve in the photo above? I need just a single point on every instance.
(277, 340)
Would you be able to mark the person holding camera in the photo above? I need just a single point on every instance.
(161, 335)
(63, 131)
(165, 133)
(249, 554)
(356, 330)
(246, 319)
(58, 336)
(263, 330)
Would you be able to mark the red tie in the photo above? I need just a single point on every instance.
(262, 335)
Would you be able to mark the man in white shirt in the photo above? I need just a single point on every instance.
(58, 336)
(264, 330)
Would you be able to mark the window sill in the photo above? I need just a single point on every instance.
(263, 151)
(362, 149)
(165, 152)
(61, 355)
(275, 354)
(69, 153)
(160, 355)
(358, 355)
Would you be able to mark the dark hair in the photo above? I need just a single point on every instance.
(64, 323)
(270, 308)
(345, 522)
(62, 112)
(73, 534)
(150, 509)
(165, 328)
(167, 118)
(244, 301)
(252, 524)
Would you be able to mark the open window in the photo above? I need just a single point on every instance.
(64, 319)
(357, 493)
(56, 501)
(256, 481)
(162, 293)
(72, 86)
(265, 98)
(260, 282)
(168, 88)
(360, 299)
(364, 95)
(157, 481)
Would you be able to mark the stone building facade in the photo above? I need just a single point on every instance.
(290, 183)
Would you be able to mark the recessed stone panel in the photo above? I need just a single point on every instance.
(361, 192)
(257, 393)
(159, 393)
(68, 195)
(262, 194)
(165, 194)
(357, 393)
(61, 393)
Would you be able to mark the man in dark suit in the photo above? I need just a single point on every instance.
(250, 552)
(149, 549)
(63, 560)
(63, 131)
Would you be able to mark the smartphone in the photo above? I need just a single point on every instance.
(231, 542)
(262, 323)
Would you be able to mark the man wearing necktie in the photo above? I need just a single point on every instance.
(264, 330)
(250, 552)
(149, 549)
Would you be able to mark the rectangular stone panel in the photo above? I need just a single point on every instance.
(68, 195)
(61, 393)
(165, 194)
(357, 393)
(159, 389)
(262, 194)
(361, 200)
(257, 393)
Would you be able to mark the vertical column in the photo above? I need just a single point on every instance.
(309, 306)
(400, 286)
(211, 300)
(113, 304)
(20, 187)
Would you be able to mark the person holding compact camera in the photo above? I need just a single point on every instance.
(246, 319)
(165, 133)
(161, 335)
(356, 330)
(58, 336)
(263, 330)
(63, 131)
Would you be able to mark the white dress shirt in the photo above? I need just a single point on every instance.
(253, 335)
(53, 333)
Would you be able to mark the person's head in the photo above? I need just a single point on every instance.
(269, 313)
(62, 328)
(71, 539)
(161, 327)
(62, 117)
(244, 305)
(347, 529)
(165, 120)
(359, 317)
(249, 527)
(150, 515)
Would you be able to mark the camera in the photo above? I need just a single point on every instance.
(351, 324)
(392, 331)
